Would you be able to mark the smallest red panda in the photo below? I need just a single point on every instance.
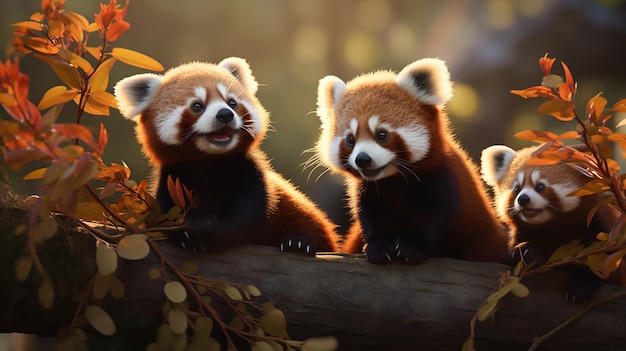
(534, 202)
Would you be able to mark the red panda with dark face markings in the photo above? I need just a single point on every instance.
(202, 123)
(413, 192)
(534, 202)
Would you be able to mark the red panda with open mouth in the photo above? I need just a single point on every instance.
(413, 192)
(202, 123)
(535, 202)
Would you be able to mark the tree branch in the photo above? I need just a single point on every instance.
(364, 305)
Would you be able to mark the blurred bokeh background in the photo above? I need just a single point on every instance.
(490, 46)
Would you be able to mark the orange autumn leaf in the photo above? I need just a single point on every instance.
(546, 64)
(103, 98)
(56, 95)
(595, 108)
(559, 109)
(536, 91)
(571, 84)
(536, 135)
(29, 25)
(619, 106)
(64, 71)
(100, 79)
(136, 59)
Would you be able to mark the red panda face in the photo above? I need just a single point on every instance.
(382, 124)
(193, 110)
(525, 193)
(534, 199)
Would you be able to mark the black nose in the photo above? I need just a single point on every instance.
(523, 200)
(224, 115)
(363, 160)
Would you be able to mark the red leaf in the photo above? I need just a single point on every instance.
(77, 131)
(546, 64)
(569, 79)
(103, 138)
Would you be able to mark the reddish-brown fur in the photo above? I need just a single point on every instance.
(471, 231)
(564, 226)
(237, 196)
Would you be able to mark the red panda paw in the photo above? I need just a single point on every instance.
(581, 285)
(298, 243)
(379, 252)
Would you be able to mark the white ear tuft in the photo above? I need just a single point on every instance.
(135, 93)
(329, 92)
(239, 68)
(494, 163)
(428, 80)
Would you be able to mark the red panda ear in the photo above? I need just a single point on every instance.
(135, 93)
(239, 68)
(428, 80)
(329, 91)
(494, 163)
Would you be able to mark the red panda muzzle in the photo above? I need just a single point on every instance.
(222, 136)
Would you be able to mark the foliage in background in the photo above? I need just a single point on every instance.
(120, 214)
(605, 254)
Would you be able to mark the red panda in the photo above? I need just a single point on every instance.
(202, 123)
(413, 192)
(534, 202)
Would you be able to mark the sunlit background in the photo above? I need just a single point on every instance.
(490, 46)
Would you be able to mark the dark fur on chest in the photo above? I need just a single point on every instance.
(407, 216)
(229, 204)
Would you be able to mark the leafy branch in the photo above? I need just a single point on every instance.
(78, 185)
(605, 255)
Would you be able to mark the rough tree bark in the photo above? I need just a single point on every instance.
(367, 307)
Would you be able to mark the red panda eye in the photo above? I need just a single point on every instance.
(517, 189)
(350, 141)
(382, 136)
(232, 103)
(540, 187)
(197, 107)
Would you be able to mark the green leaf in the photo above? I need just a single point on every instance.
(175, 291)
(106, 258)
(177, 319)
(100, 320)
(274, 323)
(133, 247)
(567, 250)
(23, 267)
(45, 293)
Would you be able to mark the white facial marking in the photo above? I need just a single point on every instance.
(568, 203)
(373, 124)
(167, 125)
(417, 140)
(354, 125)
(254, 117)
(222, 90)
(201, 93)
